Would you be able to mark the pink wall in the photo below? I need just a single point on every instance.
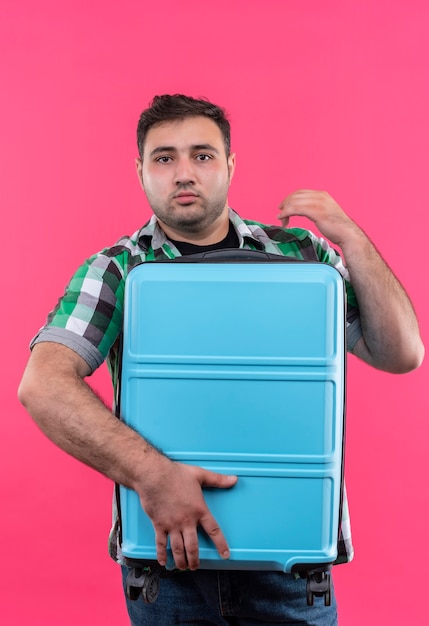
(331, 94)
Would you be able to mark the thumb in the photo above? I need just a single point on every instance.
(283, 220)
(212, 479)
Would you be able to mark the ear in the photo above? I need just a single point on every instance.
(231, 165)
(139, 170)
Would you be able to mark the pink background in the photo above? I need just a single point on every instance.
(332, 95)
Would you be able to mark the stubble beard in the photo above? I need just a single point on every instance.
(192, 218)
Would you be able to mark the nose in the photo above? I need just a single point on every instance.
(184, 173)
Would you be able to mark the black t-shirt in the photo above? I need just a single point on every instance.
(230, 241)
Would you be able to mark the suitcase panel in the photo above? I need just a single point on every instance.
(227, 297)
(217, 406)
(275, 388)
(273, 519)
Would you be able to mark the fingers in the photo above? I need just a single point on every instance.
(184, 548)
(212, 479)
(184, 545)
(191, 549)
(320, 208)
(161, 547)
(302, 201)
(180, 530)
(294, 204)
(184, 551)
(211, 527)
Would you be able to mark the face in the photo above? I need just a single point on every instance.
(186, 174)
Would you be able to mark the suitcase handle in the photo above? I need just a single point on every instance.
(235, 254)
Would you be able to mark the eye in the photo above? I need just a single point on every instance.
(163, 159)
(203, 157)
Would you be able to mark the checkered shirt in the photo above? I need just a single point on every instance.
(89, 316)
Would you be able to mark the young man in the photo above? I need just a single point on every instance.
(185, 168)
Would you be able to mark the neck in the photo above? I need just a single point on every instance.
(213, 234)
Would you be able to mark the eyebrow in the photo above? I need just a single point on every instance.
(200, 146)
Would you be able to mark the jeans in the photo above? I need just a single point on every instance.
(230, 598)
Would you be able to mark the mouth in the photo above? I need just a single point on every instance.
(185, 197)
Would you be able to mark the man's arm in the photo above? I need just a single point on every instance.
(391, 339)
(55, 394)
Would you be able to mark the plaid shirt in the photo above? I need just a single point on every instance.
(88, 318)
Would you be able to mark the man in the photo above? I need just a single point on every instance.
(185, 168)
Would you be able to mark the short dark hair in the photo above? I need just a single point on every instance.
(167, 108)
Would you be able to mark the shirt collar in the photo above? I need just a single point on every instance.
(152, 235)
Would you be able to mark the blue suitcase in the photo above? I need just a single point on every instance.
(253, 347)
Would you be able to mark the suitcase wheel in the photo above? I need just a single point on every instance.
(319, 584)
(132, 592)
(142, 582)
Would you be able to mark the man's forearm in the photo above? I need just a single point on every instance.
(55, 394)
(74, 418)
(391, 339)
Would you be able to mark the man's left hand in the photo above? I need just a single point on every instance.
(320, 208)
